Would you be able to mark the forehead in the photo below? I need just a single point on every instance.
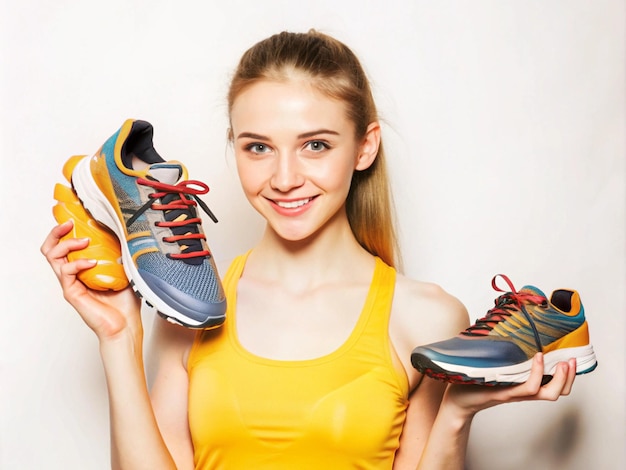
(268, 107)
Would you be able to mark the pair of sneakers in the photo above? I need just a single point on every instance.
(498, 349)
(140, 213)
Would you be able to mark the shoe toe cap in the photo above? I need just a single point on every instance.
(198, 312)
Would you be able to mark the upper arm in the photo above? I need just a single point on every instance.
(422, 313)
(420, 415)
(169, 384)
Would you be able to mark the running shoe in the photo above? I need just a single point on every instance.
(499, 348)
(104, 246)
(151, 206)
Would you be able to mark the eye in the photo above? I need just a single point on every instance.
(257, 148)
(317, 145)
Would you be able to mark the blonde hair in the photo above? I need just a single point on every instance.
(335, 71)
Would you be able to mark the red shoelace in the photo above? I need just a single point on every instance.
(178, 202)
(505, 305)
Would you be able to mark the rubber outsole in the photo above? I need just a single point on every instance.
(503, 376)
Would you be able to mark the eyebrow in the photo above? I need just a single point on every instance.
(252, 135)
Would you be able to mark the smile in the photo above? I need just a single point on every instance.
(293, 204)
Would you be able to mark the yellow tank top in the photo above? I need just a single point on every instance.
(344, 410)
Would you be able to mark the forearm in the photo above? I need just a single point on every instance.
(136, 442)
(446, 447)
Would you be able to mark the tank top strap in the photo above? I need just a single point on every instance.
(378, 303)
(374, 322)
(229, 281)
(374, 335)
(234, 271)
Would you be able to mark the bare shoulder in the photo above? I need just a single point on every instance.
(425, 312)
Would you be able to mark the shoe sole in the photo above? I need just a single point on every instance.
(101, 209)
(108, 274)
(507, 375)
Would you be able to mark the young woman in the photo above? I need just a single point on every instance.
(312, 367)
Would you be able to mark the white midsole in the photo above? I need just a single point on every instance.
(518, 373)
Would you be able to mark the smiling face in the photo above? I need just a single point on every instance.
(296, 151)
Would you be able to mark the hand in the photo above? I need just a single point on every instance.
(106, 313)
(469, 399)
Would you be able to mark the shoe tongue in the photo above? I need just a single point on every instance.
(532, 290)
(168, 173)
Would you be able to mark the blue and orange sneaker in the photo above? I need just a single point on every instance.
(151, 207)
(499, 348)
(104, 246)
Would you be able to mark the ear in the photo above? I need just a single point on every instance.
(369, 147)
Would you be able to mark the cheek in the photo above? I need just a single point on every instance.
(333, 176)
(248, 176)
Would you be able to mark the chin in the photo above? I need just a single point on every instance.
(292, 235)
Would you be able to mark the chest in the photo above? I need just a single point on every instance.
(294, 415)
(276, 324)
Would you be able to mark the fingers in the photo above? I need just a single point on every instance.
(55, 249)
(55, 235)
(476, 398)
(556, 387)
(561, 383)
(69, 271)
(533, 389)
(569, 378)
(533, 384)
(57, 255)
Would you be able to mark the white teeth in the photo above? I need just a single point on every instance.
(293, 204)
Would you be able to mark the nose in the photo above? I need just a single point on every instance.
(287, 174)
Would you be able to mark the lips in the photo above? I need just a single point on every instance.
(293, 204)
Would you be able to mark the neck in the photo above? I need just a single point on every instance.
(332, 254)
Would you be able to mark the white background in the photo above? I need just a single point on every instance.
(504, 123)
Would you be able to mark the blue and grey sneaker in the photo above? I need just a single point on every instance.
(499, 348)
(151, 206)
